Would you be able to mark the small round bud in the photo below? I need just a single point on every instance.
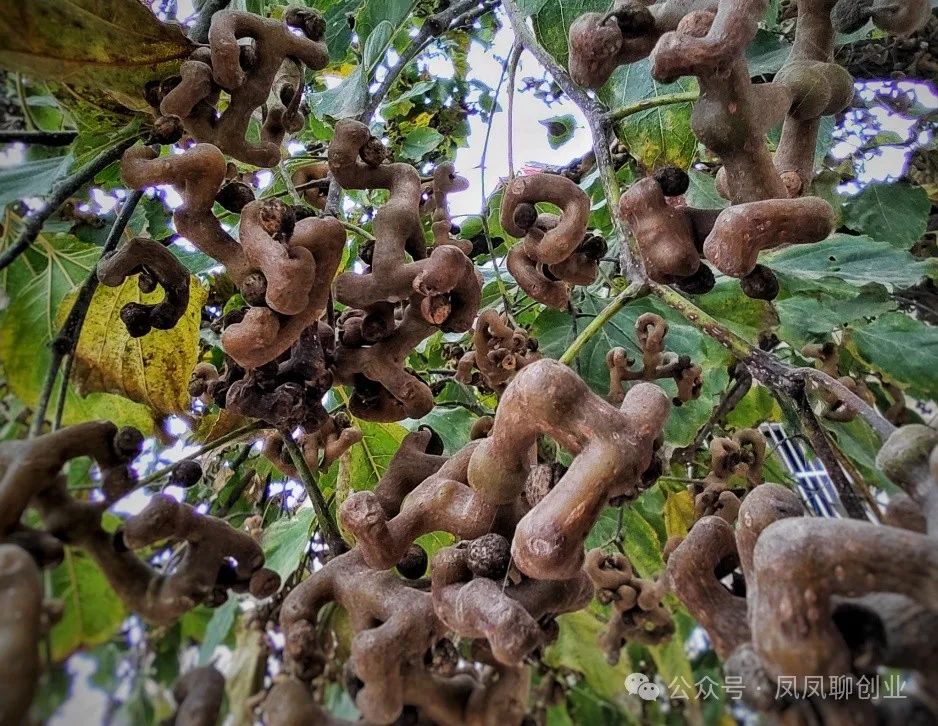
(166, 130)
(760, 284)
(525, 215)
(489, 556)
(699, 283)
(234, 196)
(128, 443)
(254, 289)
(136, 319)
(634, 20)
(673, 181)
(185, 474)
(414, 563)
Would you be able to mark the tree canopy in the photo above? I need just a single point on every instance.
(232, 232)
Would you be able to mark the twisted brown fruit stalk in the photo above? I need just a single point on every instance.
(741, 455)
(20, 631)
(197, 175)
(247, 73)
(394, 626)
(650, 331)
(198, 695)
(555, 251)
(499, 352)
(613, 449)
(445, 287)
(836, 409)
(471, 598)
(600, 42)
(732, 116)
(155, 265)
(638, 615)
(441, 502)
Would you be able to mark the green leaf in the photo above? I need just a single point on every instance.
(365, 462)
(889, 212)
(554, 330)
(702, 192)
(767, 53)
(559, 129)
(812, 315)
(851, 259)
(93, 613)
(744, 315)
(576, 648)
(679, 512)
(32, 178)
(376, 12)
(114, 45)
(419, 142)
(153, 370)
(452, 424)
(338, 28)
(901, 348)
(218, 629)
(377, 23)
(656, 137)
(36, 284)
(286, 541)
(530, 7)
(244, 673)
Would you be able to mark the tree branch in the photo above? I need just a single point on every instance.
(631, 261)
(63, 189)
(633, 292)
(648, 103)
(210, 446)
(38, 138)
(67, 339)
(330, 530)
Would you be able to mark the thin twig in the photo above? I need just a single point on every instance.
(288, 185)
(632, 292)
(63, 189)
(648, 103)
(513, 59)
(66, 341)
(210, 446)
(38, 138)
(488, 136)
(330, 530)
(360, 231)
(631, 262)
(63, 394)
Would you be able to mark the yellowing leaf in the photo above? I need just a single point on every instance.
(36, 285)
(117, 45)
(678, 513)
(215, 425)
(422, 119)
(153, 370)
